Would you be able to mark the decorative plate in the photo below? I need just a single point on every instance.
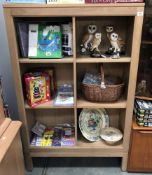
(111, 135)
(91, 122)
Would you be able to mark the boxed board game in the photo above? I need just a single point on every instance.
(60, 135)
(143, 112)
(45, 41)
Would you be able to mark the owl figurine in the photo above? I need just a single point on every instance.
(87, 39)
(96, 42)
(115, 41)
(94, 49)
(109, 30)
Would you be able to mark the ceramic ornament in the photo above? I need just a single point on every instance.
(115, 41)
(109, 30)
(96, 42)
(115, 45)
(141, 87)
(95, 52)
(87, 39)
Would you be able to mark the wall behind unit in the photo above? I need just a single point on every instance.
(5, 68)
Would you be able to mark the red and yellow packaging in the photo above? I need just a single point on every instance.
(37, 88)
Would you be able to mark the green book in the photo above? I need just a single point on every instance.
(44, 41)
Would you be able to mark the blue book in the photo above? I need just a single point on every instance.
(27, 1)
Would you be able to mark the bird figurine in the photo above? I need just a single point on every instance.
(96, 42)
(87, 39)
(116, 42)
(141, 87)
(109, 30)
(115, 45)
(94, 49)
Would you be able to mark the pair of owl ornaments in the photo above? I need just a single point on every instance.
(92, 40)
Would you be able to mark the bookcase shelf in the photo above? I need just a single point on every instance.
(63, 60)
(127, 19)
(103, 60)
(82, 103)
(82, 149)
(47, 105)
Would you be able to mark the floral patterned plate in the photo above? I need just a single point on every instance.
(91, 122)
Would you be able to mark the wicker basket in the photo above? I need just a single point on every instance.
(103, 92)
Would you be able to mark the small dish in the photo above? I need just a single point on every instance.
(111, 135)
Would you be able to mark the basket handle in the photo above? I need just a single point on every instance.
(103, 86)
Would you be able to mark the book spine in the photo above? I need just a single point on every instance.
(65, 2)
(99, 1)
(112, 1)
(26, 1)
(128, 1)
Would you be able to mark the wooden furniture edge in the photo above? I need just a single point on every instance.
(8, 137)
(136, 127)
(4, 123)
(15, 5)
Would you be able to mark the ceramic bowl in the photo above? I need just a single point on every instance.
(111, 135)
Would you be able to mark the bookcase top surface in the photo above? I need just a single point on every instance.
(15, 5)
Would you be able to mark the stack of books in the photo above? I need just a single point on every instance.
(65, 95)
(143, 112)
(44, 40)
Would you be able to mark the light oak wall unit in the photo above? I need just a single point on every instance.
(127, 19)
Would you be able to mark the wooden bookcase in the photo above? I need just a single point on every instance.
(128, 19)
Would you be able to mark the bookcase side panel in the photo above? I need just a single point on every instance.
(132, 78)
(18, 85)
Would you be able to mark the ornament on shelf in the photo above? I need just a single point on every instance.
(94, 49)
(116, 42)
(141, 87)
(87, 39)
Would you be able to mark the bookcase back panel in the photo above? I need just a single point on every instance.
(122, 25)
(52, 117)
(63, 72)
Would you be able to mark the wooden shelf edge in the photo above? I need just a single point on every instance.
(19, 5)
(62, 60)
(143, 98)
(135, 126)
(146, 42)
(103, 60)
(82, 103)
(48, 105)
(76, 152)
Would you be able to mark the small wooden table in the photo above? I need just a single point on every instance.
(11, 156)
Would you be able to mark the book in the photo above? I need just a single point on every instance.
(99, 1)
(112, 1)
(68, 136)
(44, 41)
(27, 1)
(65, 1)
(64, 100)
(22, 31)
